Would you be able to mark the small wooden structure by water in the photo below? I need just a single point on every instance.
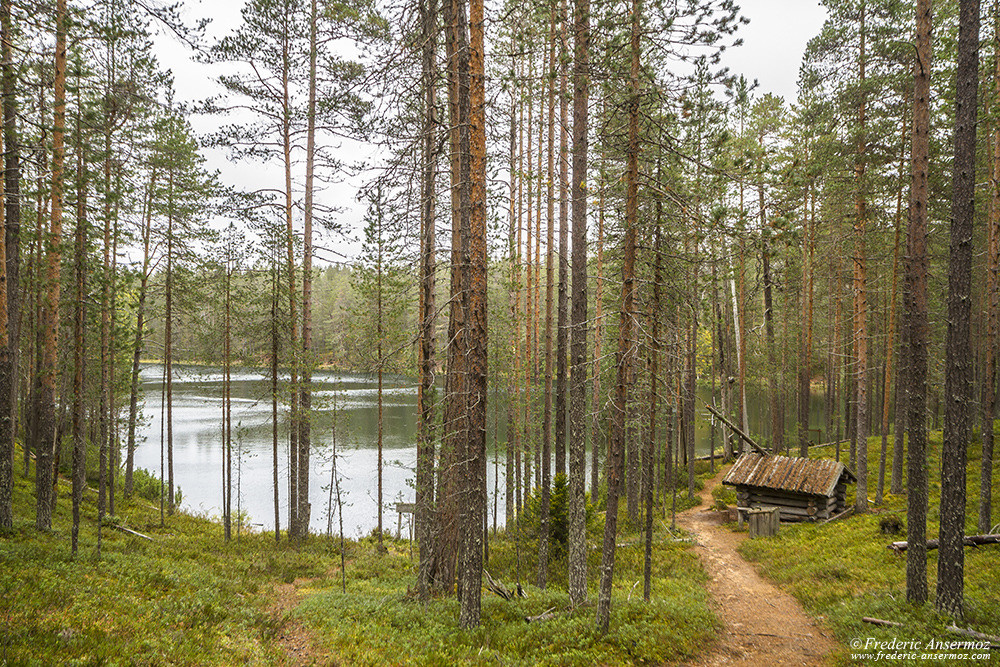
(802, 489)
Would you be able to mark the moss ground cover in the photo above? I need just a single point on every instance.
(188, 598)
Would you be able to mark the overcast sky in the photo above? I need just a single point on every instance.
(773, 44)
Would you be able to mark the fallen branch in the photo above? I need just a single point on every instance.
(994, 641)
(846, 513)
(502, 591)
(954, 629)
(879, 621)
(968, 541)
(546, 615)
(130, 532)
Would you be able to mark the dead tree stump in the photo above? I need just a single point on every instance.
(763, 521)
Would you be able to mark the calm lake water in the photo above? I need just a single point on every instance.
(346, 400)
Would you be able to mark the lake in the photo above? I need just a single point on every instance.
(348, 400)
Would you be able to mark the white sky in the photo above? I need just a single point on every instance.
(773, 44)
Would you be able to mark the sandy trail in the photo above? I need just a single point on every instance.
(764, 625)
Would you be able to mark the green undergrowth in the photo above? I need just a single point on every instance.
(843, 571)
(184, 598)
(188, 598)
(379, 621)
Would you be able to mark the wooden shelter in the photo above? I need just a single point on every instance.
(802, 489)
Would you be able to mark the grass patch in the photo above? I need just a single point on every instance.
(843, 571)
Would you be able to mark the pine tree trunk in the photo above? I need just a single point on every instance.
(993, 309)
(49, 331)
(958, 348)
(305, 388)
(140, 334)
(917, 318)
(578, 315)
(805, 354)
(861, 288)
(168, 351)
(562, 327)
(626, 343)
(426, 398)
(550, 259)
(455, 411)
(475, 505)
(79, 315)
(654, 352)
(9, 302)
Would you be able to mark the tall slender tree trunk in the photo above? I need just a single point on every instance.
(475, 506)
(989, 396)
(168, 350)
(805, 355)
(9, 302)
(562, 328)
(626, 343)
(275, 280)
(453, 465)
(305, 389)
(46, 434)
(296, 499)
(890, 333)
(550, 259)
(140, 334)
(578, 315)
(903, 336)
(958, 380)
(861, 286)
(774, 395)
(426, 398)
(917, 318)
(654, 353)
(79, 314)
(595, 398)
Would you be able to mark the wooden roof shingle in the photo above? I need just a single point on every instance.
(817, 477)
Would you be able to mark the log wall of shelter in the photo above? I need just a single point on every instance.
(794, 506)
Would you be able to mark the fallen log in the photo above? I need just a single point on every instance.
(846, 513)
(954, 629)
(994, 641)
(968, 541)
(130, 532)
(546, 615)
(879, 621)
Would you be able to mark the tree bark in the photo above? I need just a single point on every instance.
(426, 398)
(626, 343)
(140, 334)
(9, 302)
(305, 388)
(578, 315)
(861, 286)
(958, 348)
(46, 410)
(475, 505)
(989, 397)
(916, 310)
(562, 328)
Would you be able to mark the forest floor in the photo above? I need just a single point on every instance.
(763, 625)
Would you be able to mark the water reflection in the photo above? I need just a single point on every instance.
(342, 402)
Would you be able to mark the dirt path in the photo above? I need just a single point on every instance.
(764, 626)
(297, 642)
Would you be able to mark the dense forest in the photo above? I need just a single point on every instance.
(572, 206)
